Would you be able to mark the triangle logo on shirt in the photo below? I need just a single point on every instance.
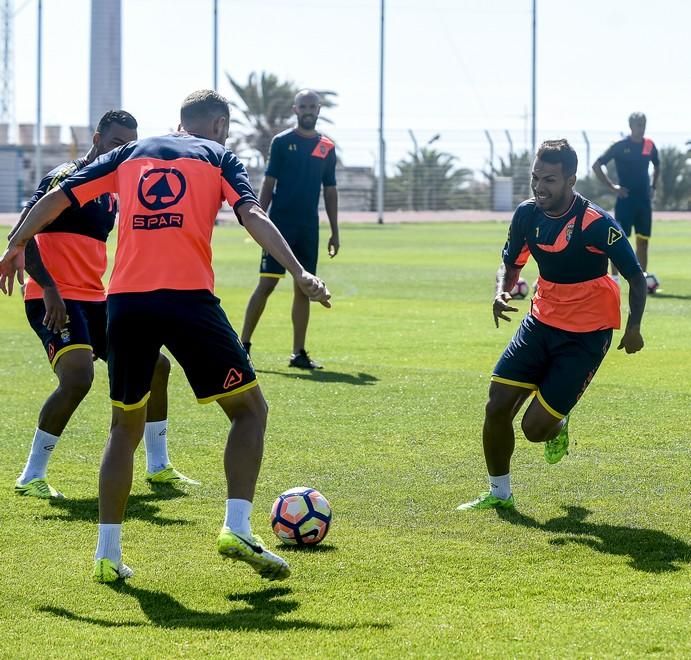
(613, 236)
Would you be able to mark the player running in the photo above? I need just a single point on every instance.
(65, 305)
(561, 342)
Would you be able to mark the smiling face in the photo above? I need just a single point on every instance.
(553, 191)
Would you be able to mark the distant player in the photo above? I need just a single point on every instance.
(65, 305)
(161, 293)
(302, 161)
(632, 157)
(560, 344)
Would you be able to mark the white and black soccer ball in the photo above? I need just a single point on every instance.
(652, 283)
(301, 516)
(520, 290)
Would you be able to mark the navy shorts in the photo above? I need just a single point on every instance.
(85, 328)
(557, 364)
(194, 328)
(636, 214)
(303, 241)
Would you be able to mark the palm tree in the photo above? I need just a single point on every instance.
(675, 180)
(518, 167)
(427, 180)
(265, 109)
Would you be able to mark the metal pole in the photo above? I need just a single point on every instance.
(382, 147)
(216, 45)
(587, 153)
(491, 152)
(510, 141)
(533, 140)
(39, 97)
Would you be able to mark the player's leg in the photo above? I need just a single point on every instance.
(134, 326)
(644, 225)
(219, 369)
(623, 215)
(514, 379)
(576, 358)
(270, 272)
(70, 353)
(159, 469)
(305, 251)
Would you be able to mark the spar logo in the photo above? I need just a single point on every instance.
(160, 188)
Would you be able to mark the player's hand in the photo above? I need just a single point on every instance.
(334, 245)
(501, 306)
(11, 264)
(314, 288)
(631, 341)
(621, 192)
(56, 312)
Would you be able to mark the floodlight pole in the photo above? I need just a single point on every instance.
(382, 146)
(587, 153)
(39, 95)
(215, 45)
(533, 140)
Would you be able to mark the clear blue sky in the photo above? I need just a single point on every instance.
(454, 67)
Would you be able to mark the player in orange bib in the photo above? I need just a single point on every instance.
(560, 344)
(65, 304)
(161, 293)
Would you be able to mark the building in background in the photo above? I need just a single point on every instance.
(105, 77)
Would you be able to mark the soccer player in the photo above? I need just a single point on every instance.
(633, 208)
(161, 293)
(65, 305)
(300, 163)
(560, 344)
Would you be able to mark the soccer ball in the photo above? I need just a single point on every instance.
(520, 289)
(652, 282)
(301, 516)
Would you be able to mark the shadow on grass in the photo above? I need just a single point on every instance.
(323, 376)
(648, 549)
(262, 611)
(140, 507)
(309, 549)
(671, 296)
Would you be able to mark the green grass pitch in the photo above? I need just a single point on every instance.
(595, 563)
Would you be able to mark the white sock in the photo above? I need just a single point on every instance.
(41, 451)
(109, 542)
(500, 486)
(238, 516)
(156, 443)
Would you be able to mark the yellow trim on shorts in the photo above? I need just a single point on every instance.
(239, 390)
(276, 275)
(71, 347)
(643, 237)
(516, 383)
(547, 407)
(132, 406)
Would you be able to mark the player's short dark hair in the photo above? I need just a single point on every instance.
(119, 117)
(636, 116)
(559, 152)
(203, 104)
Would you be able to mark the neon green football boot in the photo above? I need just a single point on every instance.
(252, 551)
(169, 475)
(106, 571)
(487, 501)
(558, 447)
(38, 488)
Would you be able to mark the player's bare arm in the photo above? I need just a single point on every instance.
(266, 192)
(331, 206)
(262, 230)
(506, 279)
(56, 312)
(600, 173)
(632, 340)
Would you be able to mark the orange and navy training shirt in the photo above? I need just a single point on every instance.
(633, 162)
(572, 252)
(170, 189)
(73, 247)
(301, 166)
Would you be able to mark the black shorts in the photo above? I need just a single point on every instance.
(303, 241)
(85, 328)
(636, 214)
(194, 328)
(557, 364)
